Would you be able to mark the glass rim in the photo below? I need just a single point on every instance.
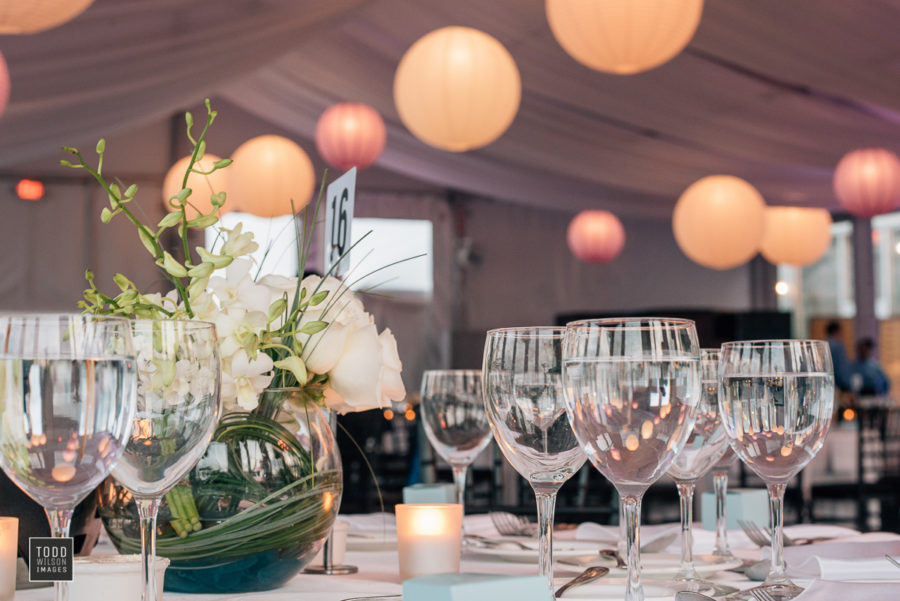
(194, 323)
(775, 341)
(541, 331)
(674, 322)
(60, 316)
(452, 372)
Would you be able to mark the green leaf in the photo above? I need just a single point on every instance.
(318, 297)
(170, 220)
(203, 221)
(106, 215)
(101, 146)
(313, 327)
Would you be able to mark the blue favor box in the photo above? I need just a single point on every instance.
(475, 587)
(429, 493)
(750, 504)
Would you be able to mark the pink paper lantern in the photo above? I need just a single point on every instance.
(867, 181)
(596, 236)
(4, 84)
(350, 134)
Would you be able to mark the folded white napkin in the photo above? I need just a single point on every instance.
(371, 522)
(858, 557)
(873, 568)
(609, 535)
(823, 590)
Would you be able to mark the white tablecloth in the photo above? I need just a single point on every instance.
(378, 569)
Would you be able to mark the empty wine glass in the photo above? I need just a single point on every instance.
(703, 449)
(632, 390)
(776, 398)
(67, 388)
(455, 420)
(523, 394)
(177, 411)
(721, 551)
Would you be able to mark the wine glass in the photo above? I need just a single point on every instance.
(455, 420)
(67, 388)
(721, 551)
(177, 410)
(705, 445)
(523, 395)
(776, 399)
(632, 390)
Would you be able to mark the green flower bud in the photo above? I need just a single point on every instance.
(101, 146)
(122, 282)
(170, 220)
(294, 365)
(201, 271)
(106, 215)
(203, 221)
(148, 241)
(172, 267)
(218, 261)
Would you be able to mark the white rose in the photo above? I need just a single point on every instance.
(390, 384)
(356, 374)
(344, 314)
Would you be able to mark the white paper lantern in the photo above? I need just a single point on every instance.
(32, 16)
(867, 181)
(718, 221)
(457, 88)
(267, 174)
(595, 236)
(623, 36)
(202, 186)
(795, 235)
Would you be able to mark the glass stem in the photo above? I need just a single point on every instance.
(632, 512)
(459, 478)
(147, 510)
(776, 523)
(546, 507)
(686, 502)
(720, 485)
(60, 521)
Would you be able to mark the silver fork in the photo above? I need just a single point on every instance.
(755, 533)
(892, 560)
(508, 524)
(762, 594)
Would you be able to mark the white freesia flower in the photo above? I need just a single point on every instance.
(244, 379)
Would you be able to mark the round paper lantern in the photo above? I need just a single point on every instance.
(623, 36)
(18, 17)
(595, 236)
(457, 88)
(867, 181)
(350, 134)
(267, 174)
(718, 221)
(795, 235)
(202, 186)
(4, 84)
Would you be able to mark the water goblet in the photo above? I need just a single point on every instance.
(523, 395)
(776, 399)
(67, 397)
(721, 551)
(455, 420)
(705, 445)
(177, 410)
(632, 390)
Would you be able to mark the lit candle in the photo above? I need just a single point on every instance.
(429, 538)
(9, 539)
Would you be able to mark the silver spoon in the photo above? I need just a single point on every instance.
(589, 575)
(692, 596)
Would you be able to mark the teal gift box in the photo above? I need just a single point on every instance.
(749, 504)
(429, 493)
(476, 587)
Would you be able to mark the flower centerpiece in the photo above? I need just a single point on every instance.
(258, 505)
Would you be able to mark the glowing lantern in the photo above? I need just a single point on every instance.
(623, 36)
(595, 236)
(202, 186)
(867, 181)
(4, 84)
(457, 88)
(718, 221)
(30, 189)
(795, 235)
(38, 15)
(267, 174)
(350, 134)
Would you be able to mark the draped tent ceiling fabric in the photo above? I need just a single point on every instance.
(770, 91)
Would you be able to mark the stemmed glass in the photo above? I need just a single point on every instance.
(523, 394)
(721, 551)
(67, 388)
(632, 391)
(776, 398)
(704, 447)
(177, 411)
(455, 420)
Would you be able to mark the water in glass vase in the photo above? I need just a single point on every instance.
(777, 423)
(64, 423)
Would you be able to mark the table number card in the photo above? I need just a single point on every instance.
(339, 199)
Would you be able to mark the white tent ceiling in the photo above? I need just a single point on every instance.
(771, 91)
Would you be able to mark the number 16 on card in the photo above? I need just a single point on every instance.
(339, 198)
